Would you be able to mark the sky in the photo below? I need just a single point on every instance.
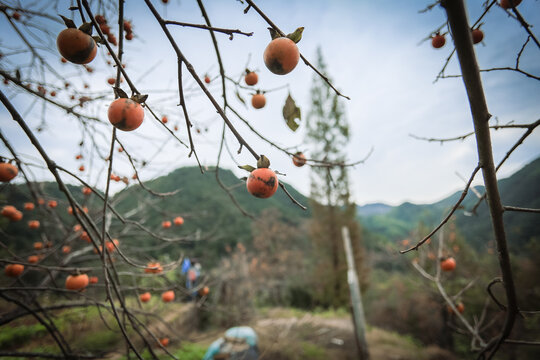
(375, 54)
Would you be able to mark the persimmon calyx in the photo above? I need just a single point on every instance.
(120, 93)
(86, 28)
(248, 168)
(139, 98)
(274, 34)
(296, 36)
(69, 23)
(263, 162)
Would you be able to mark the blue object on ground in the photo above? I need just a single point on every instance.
(238, 342)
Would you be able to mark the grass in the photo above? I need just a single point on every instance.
(98, 340)
(14, 336)
(188, 351)
(281, 312)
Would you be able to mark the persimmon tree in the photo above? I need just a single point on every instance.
(90, 246)
(458, 27)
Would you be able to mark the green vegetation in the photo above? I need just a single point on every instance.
(20, 334)
(187, 351)
(190, 351)
(521, 189)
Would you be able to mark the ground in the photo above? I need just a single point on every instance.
(284, 334)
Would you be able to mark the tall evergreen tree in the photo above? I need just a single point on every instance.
(328, 135)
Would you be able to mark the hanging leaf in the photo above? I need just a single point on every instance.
(291, 112)
(248, 168)
(69, 23)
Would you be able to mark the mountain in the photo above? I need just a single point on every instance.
(522, 189)
(208, 211)
(373, 209)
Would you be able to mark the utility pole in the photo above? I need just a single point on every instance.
(356, 298)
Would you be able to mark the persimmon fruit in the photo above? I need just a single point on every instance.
(167, 296)
(14, 270)
(258, 101)
(459, 306)
(85, 237)
(438, 41)
(52, 204)
(77, 282)
(7, 171)
(111, 81)
(164, 341)
(145, 297)
(29, 206)
(153, 268)
(204, 291)
(166, 224)
(76, 46)
(109, 245)
(38, 245)
(299, 159)
(448, 264)
(33, 224)
(251, 78)
(66, 249)
(93, 280)
(86, 190)
(178, 221)
(207, 79)
(281, 56)
(33, 259)
(505, 4)
(17, 216)
(262, 183)
(126, 114)
(11, 213)
(477, 36)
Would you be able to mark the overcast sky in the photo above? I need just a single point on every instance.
(374, 55)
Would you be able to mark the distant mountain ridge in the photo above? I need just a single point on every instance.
(209, 210)
(206, 208)
(373, 209)
(522, 189)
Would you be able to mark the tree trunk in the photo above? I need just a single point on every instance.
(461, 33)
